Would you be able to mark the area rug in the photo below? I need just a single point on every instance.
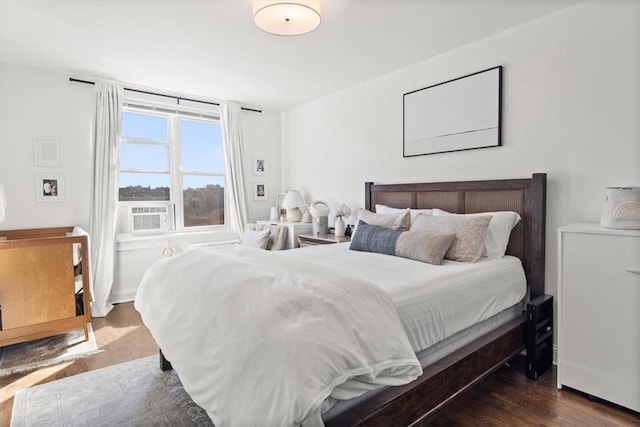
(47, 351)
(135, 393)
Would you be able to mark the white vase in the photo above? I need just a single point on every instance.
(339, 227)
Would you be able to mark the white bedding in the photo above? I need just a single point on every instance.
(262, 339)
(188, 302)
(433, 301)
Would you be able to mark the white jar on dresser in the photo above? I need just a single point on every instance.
(599, 312)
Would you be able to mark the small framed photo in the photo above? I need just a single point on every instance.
(260, 191)
(50, 187)
(260, 166)
(47, 151)
(280, 200)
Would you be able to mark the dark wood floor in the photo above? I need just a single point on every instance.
(506, 398)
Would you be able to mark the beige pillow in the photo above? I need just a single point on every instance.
(468, 246)
(256, 239)
(278, 237)
(423, 246)
(498, 233)
(397, 221)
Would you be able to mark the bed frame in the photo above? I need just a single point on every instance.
(440, 382)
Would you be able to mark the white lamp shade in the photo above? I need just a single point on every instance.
(293, 199)
(287, 18)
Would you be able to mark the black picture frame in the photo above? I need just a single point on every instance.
(464, 113)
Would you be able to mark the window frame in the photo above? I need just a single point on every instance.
(175, 204)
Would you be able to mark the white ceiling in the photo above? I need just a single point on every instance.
(211, 48)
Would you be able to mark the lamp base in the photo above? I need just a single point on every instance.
(294, 215)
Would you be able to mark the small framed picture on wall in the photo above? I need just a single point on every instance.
(260, 191)
(260, 166)
(50, 187)
(47, 151)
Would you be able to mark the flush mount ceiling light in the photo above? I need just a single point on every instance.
(287, 18)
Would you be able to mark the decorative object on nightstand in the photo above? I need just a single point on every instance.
(274, 214)
(319, 210)
(539, 335)
(340, 226)
(348, 231)
(293, 201)
(306, 216)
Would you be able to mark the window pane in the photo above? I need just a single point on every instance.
(144, 156)
(136, 187)
(201, 146)
(203, 200)
(146, 126)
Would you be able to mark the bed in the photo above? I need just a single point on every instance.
(444, 378)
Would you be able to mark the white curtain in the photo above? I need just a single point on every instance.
(104, 193)
(234, 155)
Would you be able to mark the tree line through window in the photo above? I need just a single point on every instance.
(169, 158)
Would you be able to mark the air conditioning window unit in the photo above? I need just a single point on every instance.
(148, 219)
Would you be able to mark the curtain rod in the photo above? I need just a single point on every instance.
(178, 98)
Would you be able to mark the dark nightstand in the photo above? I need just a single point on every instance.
(539, 335)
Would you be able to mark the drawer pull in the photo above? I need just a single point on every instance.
(633, 270)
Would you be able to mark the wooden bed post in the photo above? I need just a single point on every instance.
(538, 207)
(367, 196)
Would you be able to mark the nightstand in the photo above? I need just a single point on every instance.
(320, 239)
(294, 229)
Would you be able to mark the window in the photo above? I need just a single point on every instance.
(173, 159)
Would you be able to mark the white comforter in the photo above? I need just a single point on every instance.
(259, 340)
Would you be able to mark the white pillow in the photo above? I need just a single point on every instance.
(497, 238)
(256, 239)
(382, 209)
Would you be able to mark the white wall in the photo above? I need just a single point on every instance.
(34, 103)
(570, 109)
(43, 103)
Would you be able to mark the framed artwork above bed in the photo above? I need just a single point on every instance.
(459, 114)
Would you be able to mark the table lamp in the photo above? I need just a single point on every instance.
(293, 201)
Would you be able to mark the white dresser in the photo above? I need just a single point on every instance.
(294, 228)
(599, 312)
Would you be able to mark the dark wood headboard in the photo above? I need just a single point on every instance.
(525, 196)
